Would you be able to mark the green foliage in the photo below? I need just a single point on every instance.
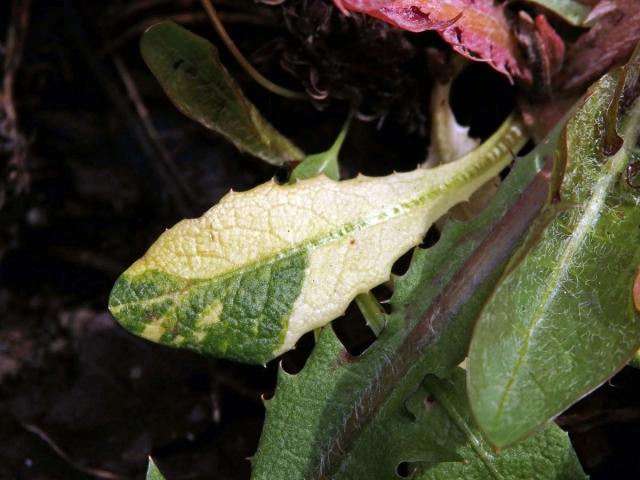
(188, 68)
(550, 269)
(239, 316)
(247, 279)
(443, 407)
(326, 421)
(563, 320)
(319, 163)
(325, 163)
(152, 471)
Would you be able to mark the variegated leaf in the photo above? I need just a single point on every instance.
(263, 267)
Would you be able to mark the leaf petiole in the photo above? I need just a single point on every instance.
(372, 311)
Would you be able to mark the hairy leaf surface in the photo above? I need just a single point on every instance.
(477, 29)
(326, 421)
(189, 69)
(441, 406)
(257, 271)
(563, 320)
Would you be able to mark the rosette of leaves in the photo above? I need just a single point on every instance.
(255, 272)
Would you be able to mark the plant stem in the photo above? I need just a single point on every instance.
(436, 388)
(244, 63)
(337, 144)
(372, 311)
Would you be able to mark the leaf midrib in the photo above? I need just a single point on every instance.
(495, 153)
(586, 224)
(389, 213)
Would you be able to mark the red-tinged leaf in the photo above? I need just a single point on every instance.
(636, 292)
(543, 50)
(614, 33)
(551, 43)
(477, 29)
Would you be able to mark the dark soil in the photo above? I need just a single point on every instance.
(79, 396)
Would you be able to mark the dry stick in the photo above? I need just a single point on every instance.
(87, 258)
(184, 18)
(131, 9)
(150, 129)
(105, 80)
(585, 421)
(187, 18)
(9, 132)
(94, 472)
(244, 63)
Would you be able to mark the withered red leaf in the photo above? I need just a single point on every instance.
(614, 33)
(477, 29)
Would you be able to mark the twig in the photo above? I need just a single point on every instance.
(131, 9)
(95, 472)
(150, 129)
(188, 18)
(244, 63)
(89, 259)
(583, 422)
(11, 139)
(230, 381)
(180, 197)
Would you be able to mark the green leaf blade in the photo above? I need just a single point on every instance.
(190, 72)
(247, 279)
(317, 164)
(339, 409)
(547, 455)
(563, 320)
(238, 316)
(153, 473)
(324, 162)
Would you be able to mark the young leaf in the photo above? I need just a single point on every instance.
(325, 421)
(477, 29)
(257, 271)
(152, 471)
(324, 162)
(442, 408)
(188, 68)
(563, 320)
(572, 11)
